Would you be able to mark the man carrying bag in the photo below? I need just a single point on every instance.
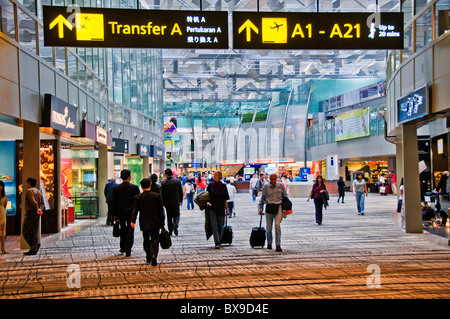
(151, 219)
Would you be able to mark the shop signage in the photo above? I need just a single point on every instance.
(59, 115)
(101, 135)
(95, 133)
(73, 26)
(157, 152)
(308, 30)
(143, 149)
(413, 105)
(119, 146)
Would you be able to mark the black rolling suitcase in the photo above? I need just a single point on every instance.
(258, 236)
(227, 235)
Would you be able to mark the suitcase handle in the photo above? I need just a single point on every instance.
(260, 221)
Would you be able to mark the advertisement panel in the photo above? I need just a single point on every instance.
(352, 124)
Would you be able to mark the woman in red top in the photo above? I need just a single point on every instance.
(201, 185)
(316, 193)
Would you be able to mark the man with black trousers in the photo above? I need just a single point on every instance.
(172, 197)
(151, 219)
(123, 201)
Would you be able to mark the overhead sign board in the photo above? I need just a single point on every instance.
(131, 28)
(308, 30)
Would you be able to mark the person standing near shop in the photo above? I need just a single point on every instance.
(109, 200)
(34, 206)
(123, 201)
(253, 182)
(272, 196)
(359, 189)
(3, 204)
(317, 194)
(393, 178)
(151, 219)
(341, 189)
(172, 197)
(232, 194)
(217, 206)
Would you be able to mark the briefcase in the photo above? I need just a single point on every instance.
(164, 239)
(116, 229)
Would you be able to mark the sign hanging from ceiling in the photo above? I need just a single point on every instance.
(128, 28)
(320, 31)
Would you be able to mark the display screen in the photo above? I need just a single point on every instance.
(290, 30)
(413, 105)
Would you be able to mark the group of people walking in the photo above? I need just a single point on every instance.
(126, 203)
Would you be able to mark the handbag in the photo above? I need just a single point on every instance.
(272, 208)
(382, 189)
(116, 229)
(164, 239)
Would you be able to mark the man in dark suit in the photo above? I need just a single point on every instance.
(123, 201)
(172, 197)
(108, 195)
(151, 219)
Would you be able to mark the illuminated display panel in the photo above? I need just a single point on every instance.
(413, 105)
(261, 30)
(130, 28)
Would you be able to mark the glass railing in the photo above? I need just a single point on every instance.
(429, 22)
(23, 27)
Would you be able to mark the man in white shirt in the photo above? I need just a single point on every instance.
(231, 192)
(253, 182)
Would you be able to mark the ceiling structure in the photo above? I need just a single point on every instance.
(212, 79)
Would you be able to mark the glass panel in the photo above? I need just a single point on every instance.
(82, 75)
(424, 29)
(407, 10)
(7, 19)
(60, 59)
(45, 53)
(442, 17)
(420, 4)
(408, 44)
(117, 75)
(72, 66)
(29, 4)
(27, 31)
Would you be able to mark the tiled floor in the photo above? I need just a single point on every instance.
(334, 260)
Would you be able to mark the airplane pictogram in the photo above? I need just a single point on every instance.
(277, 26)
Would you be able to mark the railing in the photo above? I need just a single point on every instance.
(23, 27)
(85, 206)
(420, 31)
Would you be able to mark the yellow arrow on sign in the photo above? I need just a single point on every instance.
(248, 26)
(61, 22)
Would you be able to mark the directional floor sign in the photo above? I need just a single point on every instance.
(129, 28)
(290, 30)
